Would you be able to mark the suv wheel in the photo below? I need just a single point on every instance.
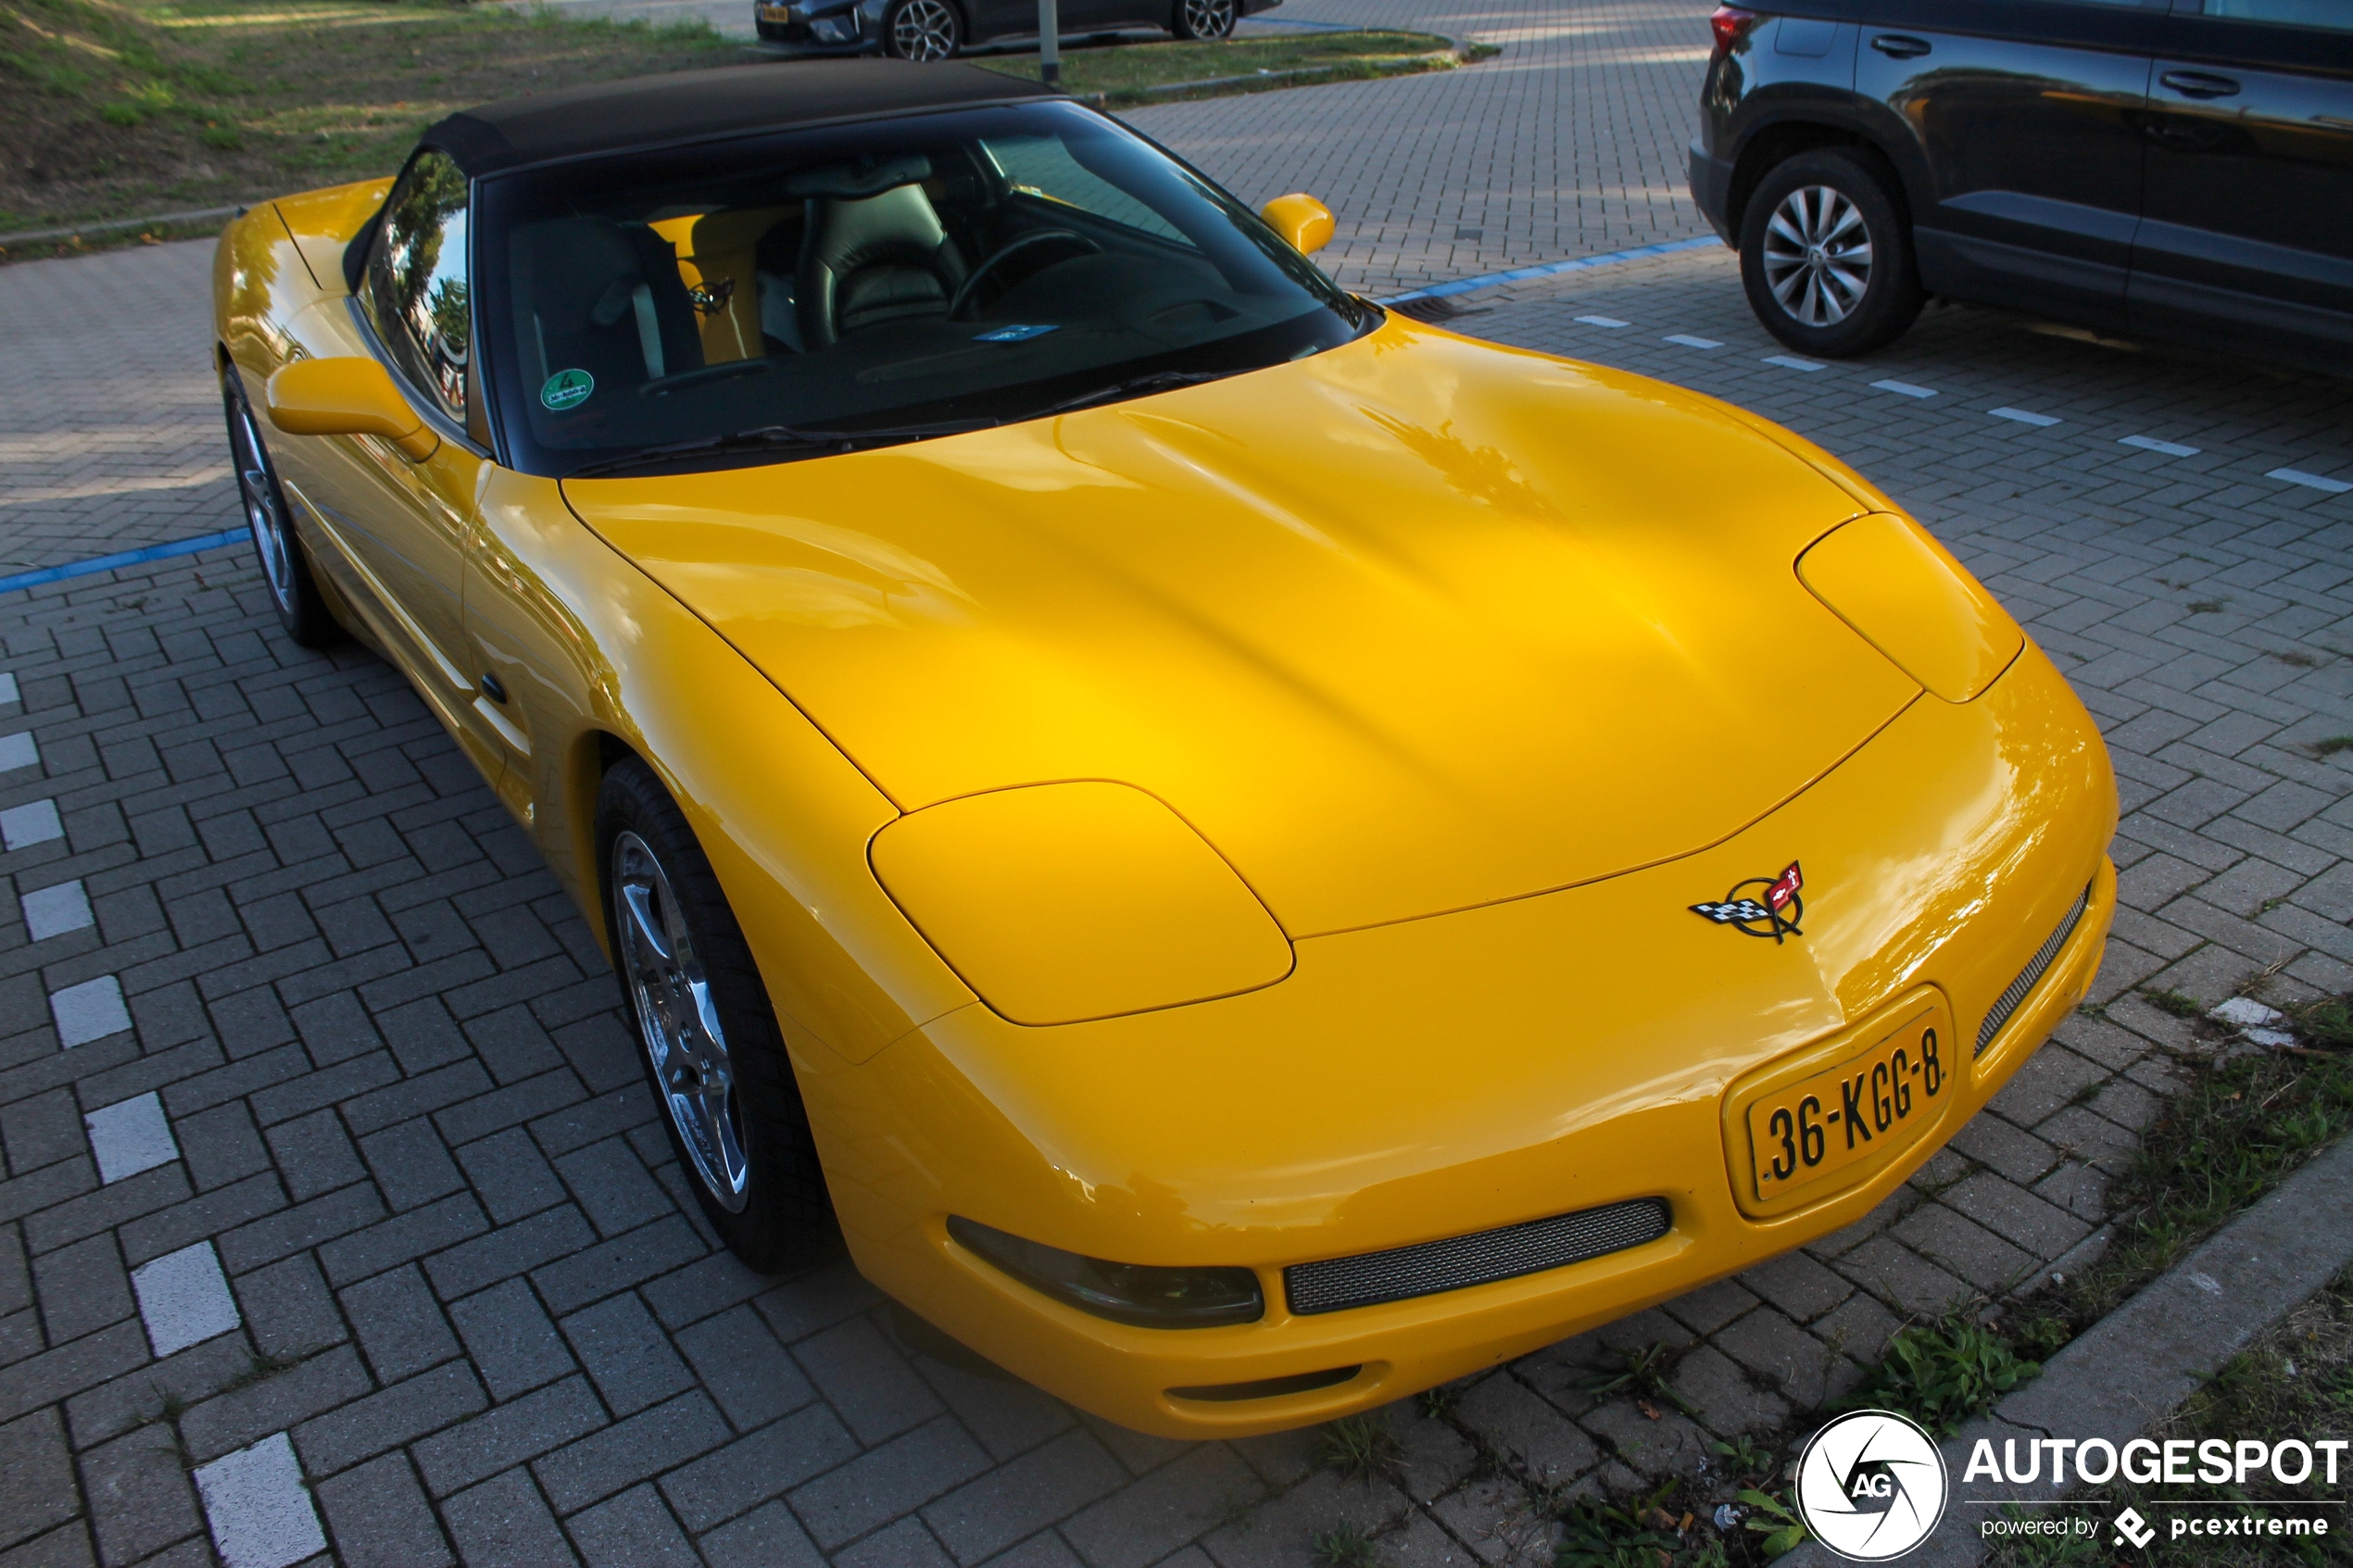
(922, 30)
(711, 1047)
(1204, 19)
(1826, 258)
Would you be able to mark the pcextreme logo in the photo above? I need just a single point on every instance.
(1872, 1486)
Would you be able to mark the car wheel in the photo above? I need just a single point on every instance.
(924, 30)
(713, 1049)
(285, 570)
(1204, 19)
(1827, 257)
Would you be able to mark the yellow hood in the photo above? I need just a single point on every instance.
(1416, 624)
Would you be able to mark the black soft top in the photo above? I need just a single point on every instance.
(695, 106)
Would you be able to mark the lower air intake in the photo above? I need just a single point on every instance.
(1460, 1262)
(2007, 1003)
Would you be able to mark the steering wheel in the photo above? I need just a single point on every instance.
(1030, 244)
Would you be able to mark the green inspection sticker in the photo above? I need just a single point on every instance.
(567, 389)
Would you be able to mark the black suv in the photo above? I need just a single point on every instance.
(2172, 168)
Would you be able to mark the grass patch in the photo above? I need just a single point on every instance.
(119, 109)
(1641, 1376)
(2332, 745)
(2294, 1381)
(1942, 1373)
(2235, 1132)
(1121, 72)
(1344, 1547)
(1361, 1448)
(2181, 1004)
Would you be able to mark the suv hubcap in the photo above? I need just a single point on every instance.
(924, 30)
(1209, 19)
(678, 1022)
(1818, 256)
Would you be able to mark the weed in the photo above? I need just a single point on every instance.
(1643, 1373)
(1745, 1457)
(2301, 660)
(2181, 1004)
(2327, 1022)
(2332, 745)
(2207, 606)
(1344, 1547)
(1596, 1533)
(1438, 1403)
(1942, 1373)
(1361, 1448)
(1771, 1518)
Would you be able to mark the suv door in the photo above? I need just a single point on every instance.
(2019, 122)
(2248, 212)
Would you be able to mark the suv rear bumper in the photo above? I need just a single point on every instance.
(1712, 190)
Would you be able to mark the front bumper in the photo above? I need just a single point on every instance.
(1481, 1069)
(826, 27)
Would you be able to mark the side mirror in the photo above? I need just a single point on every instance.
(1302, 220)
(345, 397)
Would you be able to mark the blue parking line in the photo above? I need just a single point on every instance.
(128, 557)
(1550, 269)
(1320, 27)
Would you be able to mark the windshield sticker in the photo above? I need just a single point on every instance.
(1012, 334)
(567, 389)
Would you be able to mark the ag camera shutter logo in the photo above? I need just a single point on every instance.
(1872, 1486)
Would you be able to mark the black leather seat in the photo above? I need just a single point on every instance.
(607, 299)
(872, 258)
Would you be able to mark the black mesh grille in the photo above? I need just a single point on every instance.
(1459, 1261)
(2007, 1003)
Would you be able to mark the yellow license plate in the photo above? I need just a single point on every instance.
(776, 13)
(1875, 1103)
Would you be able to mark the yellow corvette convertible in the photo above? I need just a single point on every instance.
(1250, 855)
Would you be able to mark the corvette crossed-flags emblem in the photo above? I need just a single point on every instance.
(1774, 914)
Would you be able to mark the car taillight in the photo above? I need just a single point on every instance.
(1728, 23)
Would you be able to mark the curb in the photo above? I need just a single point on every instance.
(2174, 1334)
(116, 225)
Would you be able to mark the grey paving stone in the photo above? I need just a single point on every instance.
(1528, 1432)
(378, 1518)
(633, 1528)
(37, 1487)
(505, 1523)
(400, 1323)
(1024, 1496)
(630, 1450)
(515, 1431)
(766, 1537)
(81, 1288)
(410, 1164)
(1162, 1511)
(140, 1496)
(626, 1354)
(511, 1341)
(905, 1545)
(739, 1361)
(884, 1481)
(397, 1414)
(288, 1308)
(867, 1380)
(728, 1481)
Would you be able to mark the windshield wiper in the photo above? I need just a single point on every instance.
(776, 438)
(1134, 387)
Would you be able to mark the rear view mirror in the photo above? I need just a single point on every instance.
(1302, 220)
(345, 397)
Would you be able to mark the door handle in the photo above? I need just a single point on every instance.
(2200, 84)
(1903, 46)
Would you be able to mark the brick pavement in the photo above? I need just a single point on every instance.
(332, 1202)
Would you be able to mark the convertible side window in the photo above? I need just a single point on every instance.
(414, 292)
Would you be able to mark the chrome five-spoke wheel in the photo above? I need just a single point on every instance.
(262, 506)
(678, 1022)
(1818, 256)
(925, 30)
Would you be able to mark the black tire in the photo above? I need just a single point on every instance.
(285, 566)
(1826, 255)
(775, 1213)
(924, 30)
(1206, 20)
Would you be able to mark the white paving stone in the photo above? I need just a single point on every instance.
(2151, 443)
(9, 692)
(2023, 416)
(2289, 476)
(1905, 389)
(91, 1010)
(185, 1298)
(260, 1514)
(130, 1136)
(53, 911)
(2245, 1013)
(34, 822)
(1792, 362)
(18, 751)
(1688, 341)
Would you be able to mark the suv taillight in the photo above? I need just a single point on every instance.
(1728, 23)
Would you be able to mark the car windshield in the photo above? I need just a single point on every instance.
(796, 293)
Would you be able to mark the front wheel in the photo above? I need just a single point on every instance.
(1204, 19)
(285, 570)
(712, 1050)
(922, 30)
(1826, 257)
